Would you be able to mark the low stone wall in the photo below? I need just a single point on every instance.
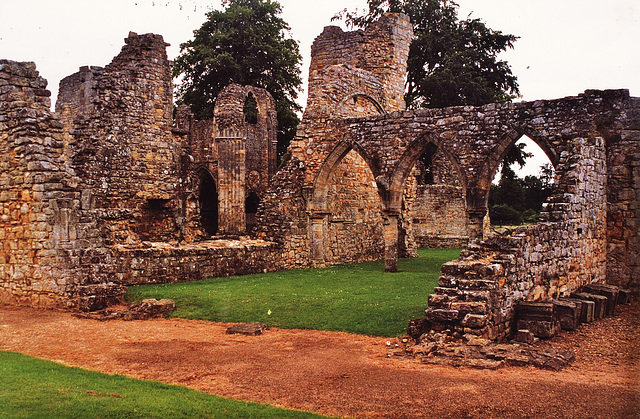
(478, 293)
(152, 263)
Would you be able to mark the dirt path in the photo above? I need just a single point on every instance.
(341, 374)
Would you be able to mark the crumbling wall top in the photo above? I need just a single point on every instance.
(378, 54)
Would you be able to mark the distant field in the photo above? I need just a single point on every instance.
(357, 298)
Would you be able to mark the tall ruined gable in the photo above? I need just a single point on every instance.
(120, 119)
(362, 72)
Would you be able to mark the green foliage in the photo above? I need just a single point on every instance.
(503, 214)
(33, 388)
(522, 196)
(451, 61)
(250, 110)
(357, 298)
(243, 44)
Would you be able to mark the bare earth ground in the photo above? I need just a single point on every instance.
(340, 374)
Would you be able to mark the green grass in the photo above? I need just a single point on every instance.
(357, 298)
(33, 388)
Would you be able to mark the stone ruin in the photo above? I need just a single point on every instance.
(117, 187)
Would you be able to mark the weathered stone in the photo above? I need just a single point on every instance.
(540, 328)
(418, 327)
(249, 329)
(569, 314)
(609, 291)
(475, 321)
(525, 336)
(442, 315)
(600, 308)
(584, 309)
(113, 191)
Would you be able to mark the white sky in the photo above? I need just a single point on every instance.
(565, 46)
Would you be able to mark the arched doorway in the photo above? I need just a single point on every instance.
(251, 204)
(208, 200)
(355, 223)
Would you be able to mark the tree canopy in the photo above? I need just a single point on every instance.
(245, 43)
(451, 61)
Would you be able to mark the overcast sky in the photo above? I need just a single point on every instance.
(565, 46)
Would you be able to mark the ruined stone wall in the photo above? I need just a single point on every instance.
(434, 209)
(621, 129)
(478, 293)
(121, 145)
(238, 154)
(166, 262)
(439, 217)
(52, 255)
(475, 139)
(361, 71)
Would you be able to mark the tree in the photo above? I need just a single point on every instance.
(451, 61)
(245, 44)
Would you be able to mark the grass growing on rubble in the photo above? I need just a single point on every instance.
(357, 298)
(33, 388)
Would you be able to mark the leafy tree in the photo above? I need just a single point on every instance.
(246, 44)
(451, 61)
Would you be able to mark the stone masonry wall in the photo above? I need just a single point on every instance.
(355, 225)
(51, 253)
(439, 217)
(122, 147)
(475, 139)
(478, 293)
(621, 129)
(361, 70)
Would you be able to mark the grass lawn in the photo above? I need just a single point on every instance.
(33, 388)
(358, 298)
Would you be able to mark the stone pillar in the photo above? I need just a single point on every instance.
(476, 224)
(390, 234)
(319, 223)
(231, 184)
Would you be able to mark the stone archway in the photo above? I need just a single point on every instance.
(346, 210)
(434, 207)
(478, 195)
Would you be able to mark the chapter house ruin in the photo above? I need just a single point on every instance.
(117, 187)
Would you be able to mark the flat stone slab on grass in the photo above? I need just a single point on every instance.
(249, 329)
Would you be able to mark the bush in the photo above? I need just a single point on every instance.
(503, 214)
(530, 216)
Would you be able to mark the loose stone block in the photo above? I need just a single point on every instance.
(540, 318)
(609, 291)
(568, 313)
(525, 336)
(600, 309)
(584, 309)
(249, 329)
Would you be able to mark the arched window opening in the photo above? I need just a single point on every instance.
(208, 199)
(521, 185)
(251, 204)
(250, 109)
(424, 166)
